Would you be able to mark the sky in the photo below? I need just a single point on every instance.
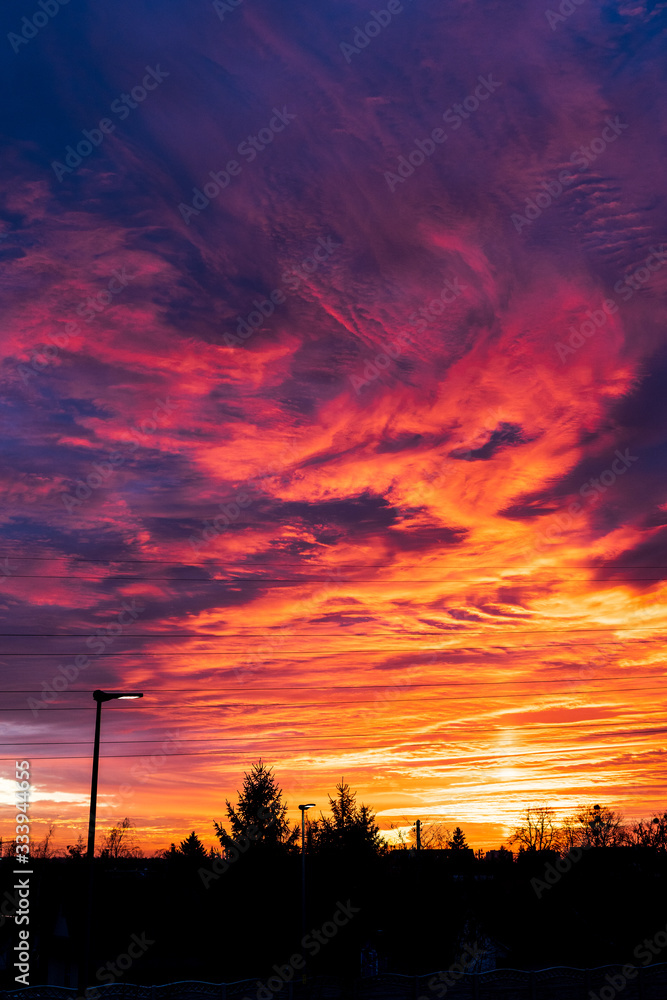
(333, 409)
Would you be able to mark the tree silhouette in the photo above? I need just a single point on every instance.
(458, 841)
(350, 828)
(601, 826)
(77, 851)
(120, 842)
(433, 836)
(44, 849)
(538, 831)
(651, 833)
(260, 815)
(193, 849)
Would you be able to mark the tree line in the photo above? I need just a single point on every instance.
(589, 826)
(258, 821)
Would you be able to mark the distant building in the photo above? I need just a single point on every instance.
(501, 855)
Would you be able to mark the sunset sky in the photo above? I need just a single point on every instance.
(356, 455)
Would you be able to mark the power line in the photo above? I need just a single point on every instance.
(268, 656)
(249, 564)
(281, 630)
(282, 739)
(272, 562)
(378, 650)
(308, 752)
(359, 687)
(351, 701)
(115, 577)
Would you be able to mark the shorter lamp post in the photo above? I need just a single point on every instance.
(309, 805)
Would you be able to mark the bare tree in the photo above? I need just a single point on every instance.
(601, 826)
(120, 842)
(44, 849)
(571, 834)
(651, 833)
(433, 836)
(537, 831)
(9, 849)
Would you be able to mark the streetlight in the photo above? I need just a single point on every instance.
(100, 697)
(309, 805)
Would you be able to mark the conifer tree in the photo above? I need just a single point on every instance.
(350, 828)
(458, 841)
(260, 816)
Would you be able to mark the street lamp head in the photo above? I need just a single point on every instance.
(111, 695)
(309, 805)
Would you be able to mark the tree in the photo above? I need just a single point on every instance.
(432, 836)
(435, 836)
(458, 841)
(77, 851)
(192, 849)
(538, 831)
(350, 828)
(9, 849)
(651, 833)
(120, 842)
(44, 849)
(601, 827)
(260, 815)
(570, 834)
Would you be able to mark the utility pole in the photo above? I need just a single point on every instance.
(418, 830)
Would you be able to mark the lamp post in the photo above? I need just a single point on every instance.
(100, 697)
(309, 805)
